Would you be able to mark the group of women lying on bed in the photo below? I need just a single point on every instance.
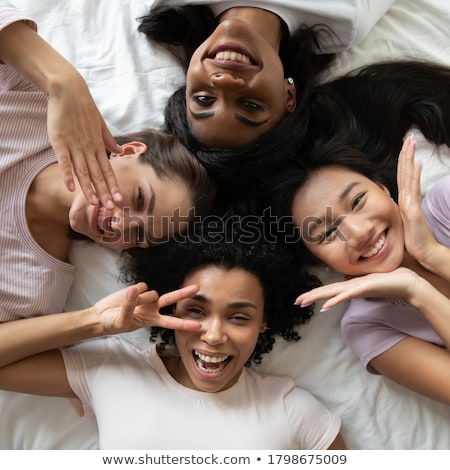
(253, 129)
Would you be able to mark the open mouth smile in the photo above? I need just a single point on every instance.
(376, 248)
(210, 364)
(231, 53)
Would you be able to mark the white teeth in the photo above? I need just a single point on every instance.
(375, 249)
(233, 56)
(216, 363)
(100, 218)
(211, 359)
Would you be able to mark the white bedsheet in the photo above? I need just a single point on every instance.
(131, 80)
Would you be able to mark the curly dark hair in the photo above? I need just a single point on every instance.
(230, 242)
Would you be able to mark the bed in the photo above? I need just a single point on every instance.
(131, 80)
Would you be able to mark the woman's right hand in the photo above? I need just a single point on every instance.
(79, 136)
(399, 283)
(136, 307)
(76, 129)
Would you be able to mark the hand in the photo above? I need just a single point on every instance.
(396, 284)
(419, 241)
(136, 307)
(79, 136)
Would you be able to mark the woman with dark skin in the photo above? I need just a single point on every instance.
(235, 287)
(250, 64)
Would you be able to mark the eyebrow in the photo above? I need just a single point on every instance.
(239, 304)
(238, 117)
(318, 221)
(344, 193)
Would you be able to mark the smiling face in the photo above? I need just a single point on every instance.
(349, 222)
(151, 211)
(230, 306)
(235, 87)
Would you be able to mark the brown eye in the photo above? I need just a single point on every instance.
(203, 100)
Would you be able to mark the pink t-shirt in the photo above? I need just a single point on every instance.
(31, 281)
(371, 327)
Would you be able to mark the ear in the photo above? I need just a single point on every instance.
(263, 327)
(131, 148)
(291, 101)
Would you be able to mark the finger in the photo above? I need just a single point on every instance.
(176, 295)
(95, 177)
(109, 141)
(174, 323)
(307, 299)
(65, 166)
(107, 180)
(110, 177)
(149, 297)
(128, 307)
(336, 300)
(81, 170)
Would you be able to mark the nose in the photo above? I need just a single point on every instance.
(213, 332)
(357, 231)
(227, 79)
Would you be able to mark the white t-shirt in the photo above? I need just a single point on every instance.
(349, 20)
(138, 405)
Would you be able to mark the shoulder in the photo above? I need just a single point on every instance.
(436, 209)
(439, 192)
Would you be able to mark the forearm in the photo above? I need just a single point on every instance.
(434, 306)
(22, 48)
(439, 261)
(23, 338)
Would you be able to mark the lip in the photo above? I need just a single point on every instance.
(233, 47)
(381, 252)
(211, 353)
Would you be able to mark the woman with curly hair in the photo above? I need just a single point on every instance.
(237, 288)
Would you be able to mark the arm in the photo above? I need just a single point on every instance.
(419, 241)
(76, 129)
(419, 366)
(29, 359)
(338, 444)
(401, 283)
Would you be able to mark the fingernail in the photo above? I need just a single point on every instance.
(118, 197)
(71, 187)
(94, 199)
(109, 204)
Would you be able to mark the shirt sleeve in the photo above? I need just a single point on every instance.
(436, 209)
(82, 362)
(313, 426)
(366, 333)
(10, 14)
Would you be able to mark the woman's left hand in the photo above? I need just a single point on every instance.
(419, 241)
